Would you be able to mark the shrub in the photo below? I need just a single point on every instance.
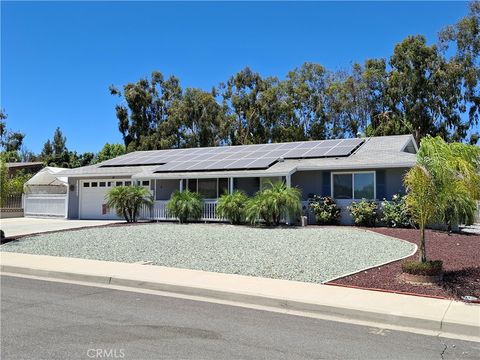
(395, 212)
(273, 203)
(185, 205)
(232, 206)
(428, 268)
(127, 200)
(364, 213)
(325, 209)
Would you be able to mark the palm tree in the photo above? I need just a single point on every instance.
(127, 200)
(232, 206)
(185, 205)
(444, 183)
(273, 203)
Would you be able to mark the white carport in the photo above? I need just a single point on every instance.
(46, 194)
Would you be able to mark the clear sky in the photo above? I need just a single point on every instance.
(58, 58)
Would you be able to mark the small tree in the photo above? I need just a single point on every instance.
(446, 176)
(185, 205)
(127, 201)
(274, 202)
(232, 206)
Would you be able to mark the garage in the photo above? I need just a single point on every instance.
(92, 198)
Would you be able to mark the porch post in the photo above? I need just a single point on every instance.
(181, 185)
(288, 183)
(230, 185)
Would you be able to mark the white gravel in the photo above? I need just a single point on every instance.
(311, 254)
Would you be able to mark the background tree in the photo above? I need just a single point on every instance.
(10, 141)
(200, 120)
(109, 151)
(143, 117)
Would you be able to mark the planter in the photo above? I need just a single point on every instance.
(422, 279)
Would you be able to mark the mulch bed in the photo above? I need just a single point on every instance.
(460, 254)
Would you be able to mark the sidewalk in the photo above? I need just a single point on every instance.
(439, 315)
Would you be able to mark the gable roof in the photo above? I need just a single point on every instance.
(372, 153)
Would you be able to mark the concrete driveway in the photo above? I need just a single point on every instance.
(24, 226)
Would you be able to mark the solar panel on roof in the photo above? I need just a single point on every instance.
(235, 157)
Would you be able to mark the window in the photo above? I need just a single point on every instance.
(358, 185)
(222, 186)
(101, 184)
(94, 184)
(86, 184)
(364, 184)
(119, 183)
(128, 183)
(207, 188)
(145, 183)
(109, 183)
(342, 186)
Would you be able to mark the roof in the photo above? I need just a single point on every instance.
(12, 165)
(375, 152)
(48, 176)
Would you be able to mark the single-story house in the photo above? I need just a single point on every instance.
(348, 169)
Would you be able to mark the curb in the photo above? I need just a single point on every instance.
(445, 325)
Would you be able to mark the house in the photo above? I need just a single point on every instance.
(347, 169)
(30, 167)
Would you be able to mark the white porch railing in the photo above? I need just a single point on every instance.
(45, 205)
(159, 211)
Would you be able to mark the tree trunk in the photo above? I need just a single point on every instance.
(423, 251)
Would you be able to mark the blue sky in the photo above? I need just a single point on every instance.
(58, 58)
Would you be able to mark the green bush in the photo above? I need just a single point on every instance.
(325, 209)
(364, 213)
(395, 212)
(273, 203)
(127, 200)
(232, 207)
(428, 268)
(185, 205)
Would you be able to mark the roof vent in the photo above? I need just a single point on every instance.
(281, 159)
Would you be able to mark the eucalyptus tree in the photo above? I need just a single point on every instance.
(143, 114)
(200, 119)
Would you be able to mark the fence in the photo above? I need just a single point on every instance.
(159, 211)
(12, 201)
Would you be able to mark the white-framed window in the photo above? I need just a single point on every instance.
(354, 185)
(211, 188)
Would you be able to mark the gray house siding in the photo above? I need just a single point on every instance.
(73, 198)
(394, 182)
(309, 182)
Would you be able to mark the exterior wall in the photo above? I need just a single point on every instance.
(73, 198)
(394, 182)
(309, 183)
(165, 188)
(249, 185)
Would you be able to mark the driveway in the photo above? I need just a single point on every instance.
(24, 226)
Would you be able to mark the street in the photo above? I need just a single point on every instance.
(52, 320)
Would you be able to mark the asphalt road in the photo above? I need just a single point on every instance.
(50, 320)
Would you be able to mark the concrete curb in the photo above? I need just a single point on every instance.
(446, 316)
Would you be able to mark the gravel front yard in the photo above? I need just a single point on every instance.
(311, 254)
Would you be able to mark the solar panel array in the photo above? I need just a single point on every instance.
(235, 157)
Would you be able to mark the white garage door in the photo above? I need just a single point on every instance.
(92, 198)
